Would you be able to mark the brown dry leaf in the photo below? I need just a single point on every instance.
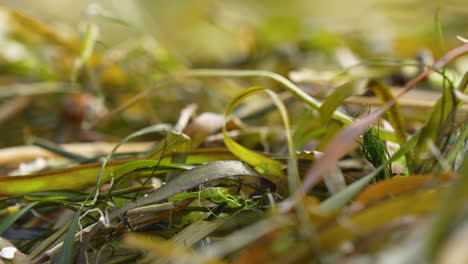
(359, 224)
(317, 216)
(395, 186)
(280, 245)
(165, 249)
(259, 252)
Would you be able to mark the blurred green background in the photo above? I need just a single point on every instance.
(140, 42)
(220, 31)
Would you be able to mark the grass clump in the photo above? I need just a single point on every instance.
(375, 151)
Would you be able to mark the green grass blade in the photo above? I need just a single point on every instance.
(457, 148)
(9, 220)
(293, 170)
(91, 36)
(290, 86)
(190, 179)
(438, 121)
(262, 164)
(394, 115)
(141, 132)
(68, 249)
(336, 98)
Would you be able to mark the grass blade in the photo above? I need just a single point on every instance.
(9, 220)
(290, 86)
(264, 165)
(66, 255)
(336, 98)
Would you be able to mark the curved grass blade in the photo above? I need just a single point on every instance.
(190, 179)
(336, 98)
(42, 194)
(78, 177)
(262, 164)
(290, 86)
(439, 120)
(87, 47)
(293, 170)
(153, 165)
(66, 255)
(305, 131)
(48, 242)
(75, 177)
(461, 96)
(174, 142)
(9, 220)
(55, 148)
(394, 115)
(72, 178)
(143, 131)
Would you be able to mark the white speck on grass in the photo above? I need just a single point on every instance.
(8, 252)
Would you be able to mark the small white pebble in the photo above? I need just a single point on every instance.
(8, 252)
